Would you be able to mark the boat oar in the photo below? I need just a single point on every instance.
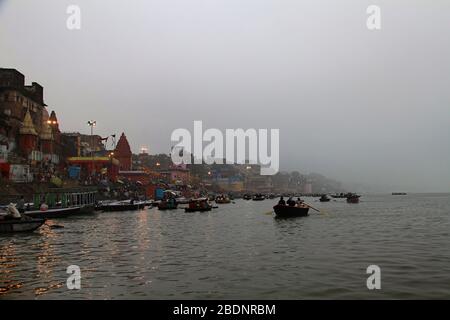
(311, 207)
(320, 211)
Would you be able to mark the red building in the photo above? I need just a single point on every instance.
(100, 165)
(123, 153)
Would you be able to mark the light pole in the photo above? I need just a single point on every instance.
(92, 124)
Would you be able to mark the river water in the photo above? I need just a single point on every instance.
(239, 251)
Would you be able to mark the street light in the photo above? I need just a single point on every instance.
(92, 124)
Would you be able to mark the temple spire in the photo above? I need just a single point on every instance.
(27, 125)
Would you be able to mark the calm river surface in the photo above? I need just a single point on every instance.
(239, 251)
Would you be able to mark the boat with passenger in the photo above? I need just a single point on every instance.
(11, 221)
(222, 199)
(286, 211)
(353, 198)
(259, 197)
(200, 204)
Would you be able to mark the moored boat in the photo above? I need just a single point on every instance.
(285, 211)
(182, 200)
(12, 221)
(123, 206)
(53, 213)
(20, 225)
(324, 198)
(167, 205)
(247, 197)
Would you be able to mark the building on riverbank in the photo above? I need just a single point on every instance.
(29, 135)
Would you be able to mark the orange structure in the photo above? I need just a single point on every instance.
(123, 153)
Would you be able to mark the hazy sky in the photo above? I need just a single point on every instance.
(356, 105)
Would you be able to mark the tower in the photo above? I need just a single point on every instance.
(46, 137)
(123, 153)
(27, 136)
(54, 125)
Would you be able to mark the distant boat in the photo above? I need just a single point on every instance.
(182, 200)
(353, 198)
(284, 211)
(399, 193)
(259, 197)
(200, 204)
(166, 205)
(339, 195)
(222, 199)
(247, 197)
(324, 198)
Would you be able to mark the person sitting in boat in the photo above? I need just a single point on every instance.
(299, 201)
(12, 212)
(21, 205)
(291, 202)
(282, 202)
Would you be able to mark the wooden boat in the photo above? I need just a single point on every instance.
(87, 209)
(339, 195)
(247, 197)
(53, 213)
(166, 205)
(200, 204)
(354, 198)
(123, 206)
(290, 211)
(222, 199)
(182, 200)
(20, 225)
(259, 197)
(324, 198)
